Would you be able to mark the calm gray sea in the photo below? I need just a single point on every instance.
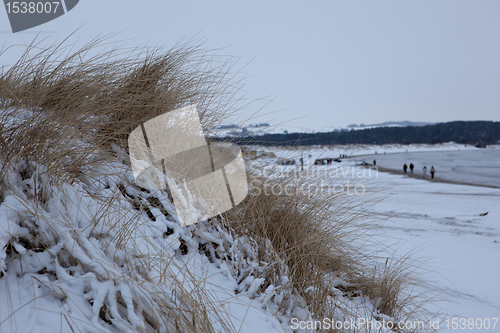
(481, 166)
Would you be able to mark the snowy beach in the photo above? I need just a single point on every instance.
(451, 231)
(455, 231)
(237, 167)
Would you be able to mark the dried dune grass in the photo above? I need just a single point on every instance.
(321, 238)
(307, 233)
(64, 100)
(68, 110)
(66, 113)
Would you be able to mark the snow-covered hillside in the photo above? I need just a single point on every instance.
(266, 128)
(84, 248)
(102, 255)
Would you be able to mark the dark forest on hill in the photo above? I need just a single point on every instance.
(467, 132)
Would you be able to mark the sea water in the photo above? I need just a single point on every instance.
(481, 166)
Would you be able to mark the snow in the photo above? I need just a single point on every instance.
(284, 128)
(65, 257)
(235, 130)
(459, 249)
(360, 150)
(103, 254)
(453, 244)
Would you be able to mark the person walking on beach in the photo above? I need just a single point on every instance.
(424, 170)
(411, 167)
(374, 163)
(405, 167)
(432, 172)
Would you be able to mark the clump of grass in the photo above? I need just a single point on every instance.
(64, 118)
(66, 112)
(107, 95)
(306, 232)
(320, 236)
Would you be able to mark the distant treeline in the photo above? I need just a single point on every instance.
(467, 132)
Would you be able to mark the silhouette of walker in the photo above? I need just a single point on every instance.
(411, 167)
(433, 171)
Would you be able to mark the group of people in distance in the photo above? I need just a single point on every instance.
(405, 167)
(424, 170)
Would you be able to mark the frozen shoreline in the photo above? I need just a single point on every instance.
(472, 167)
(454, 163)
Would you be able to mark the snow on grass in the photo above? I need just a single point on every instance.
(83, 259)
(450, 231)
(103, 255)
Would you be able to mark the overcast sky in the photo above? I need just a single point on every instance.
(329, 63)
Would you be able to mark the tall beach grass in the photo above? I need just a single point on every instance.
(65, 116)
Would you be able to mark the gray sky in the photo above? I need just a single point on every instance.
(332, 62)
